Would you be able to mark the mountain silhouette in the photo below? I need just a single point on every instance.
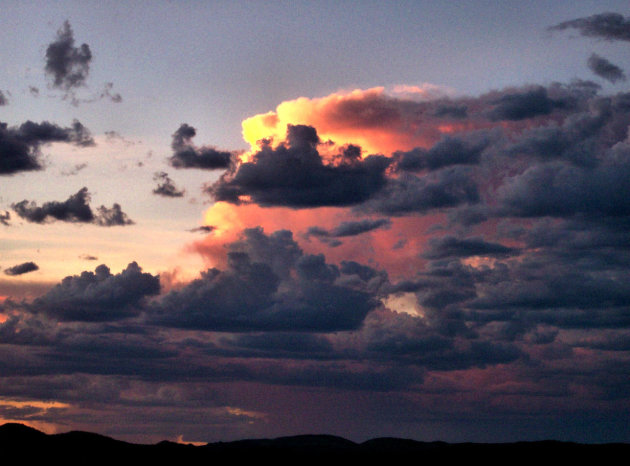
(78, 447)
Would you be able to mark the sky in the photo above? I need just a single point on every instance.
(228, 220)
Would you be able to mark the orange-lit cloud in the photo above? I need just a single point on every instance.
(370, 118)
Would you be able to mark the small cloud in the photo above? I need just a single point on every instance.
(20, 269)
(166, 187)
(605, 69)
(68, 65)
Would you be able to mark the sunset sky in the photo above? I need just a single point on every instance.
(226, 220)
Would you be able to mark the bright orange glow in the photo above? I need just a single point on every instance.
(368, 118)
(395, 249)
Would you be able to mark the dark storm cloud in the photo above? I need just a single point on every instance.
(20, 269)
(349, 228)
(265, 288)
(582, 138)
(451, 111)
(451, 246)
(561, 190)
(604, 69)
(74, 209)
(66, 64)
(98, 296)
(166, 187)
(20, 145)
(408, 193)
(294, 175)
(448, 151)
(186, 155)
(607, 26)
(522, 105)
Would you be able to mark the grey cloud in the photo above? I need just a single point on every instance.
(20, 146)
(203, 229)
(604, 69)
(166, 187)
(560, 190)
(5, 216)
(449, 187)
(68, 65)
(20, 269)
(350, 228)
(608, 26)
(75, 209)
(451, 246)
(98, 296)
(266, 289)
(523, 105)
(294, 175)
(448, 151)
(3, 99)
(186, 155)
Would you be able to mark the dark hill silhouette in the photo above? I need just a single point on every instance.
(79, 447)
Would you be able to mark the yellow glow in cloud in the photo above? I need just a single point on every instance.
(371, 118)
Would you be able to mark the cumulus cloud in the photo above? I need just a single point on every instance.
(187, 155)
(166, 186)
(20, 145)
(604, 69)
(5, 216)
(67, 65)
(607, 26)
(269, 284)
(23, 268)
(98, 296)
(295, 175)
(74, 209)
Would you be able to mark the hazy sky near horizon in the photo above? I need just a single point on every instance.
(240, 219)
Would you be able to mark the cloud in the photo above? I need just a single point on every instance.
(5, 216)
(447, 151)
(98, 296)
(20, 145)
(408, 193)
(3, 99)
(607, 26)
(269, 284)
(604, 69)
(186, 155)
(295, 175)
(75, 209)
(451, 246)
(345, 229)
(523, 105)
(68, 65)
(20, 269)
(203, 229)
(166, 187)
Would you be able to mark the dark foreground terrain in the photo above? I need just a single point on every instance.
(83, 447)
